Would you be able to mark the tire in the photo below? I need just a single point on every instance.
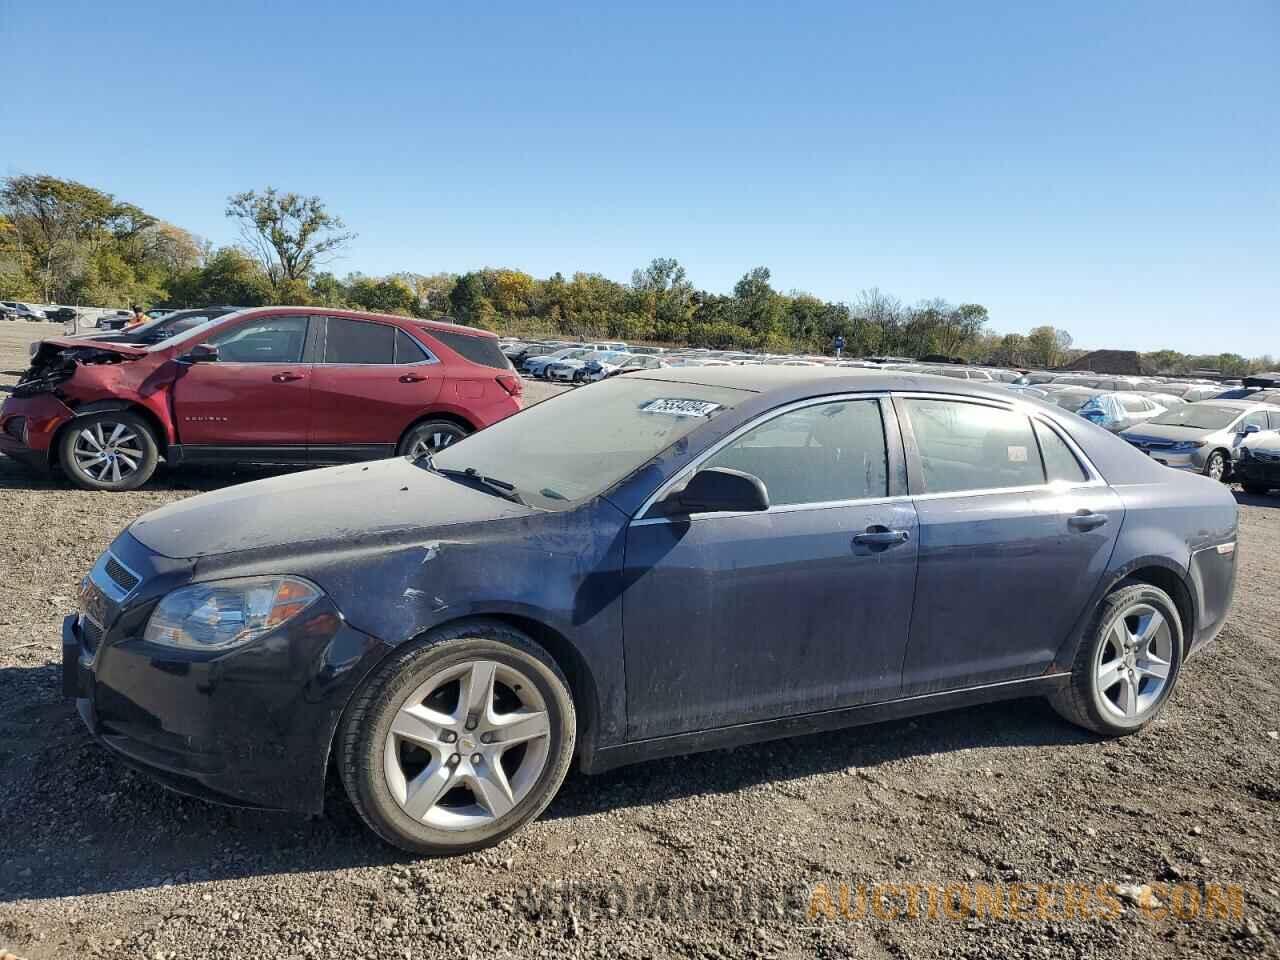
(430, 436)
(414, 793)
(1218, 466)
(1096, 705)
(124, 438)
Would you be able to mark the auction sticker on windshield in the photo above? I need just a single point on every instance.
(681, 408)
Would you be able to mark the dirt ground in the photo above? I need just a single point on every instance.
(98, 861)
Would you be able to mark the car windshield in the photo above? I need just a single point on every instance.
(1198, 416)
(194, 334)
(619, 425)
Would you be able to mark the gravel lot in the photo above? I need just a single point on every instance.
(98, 861)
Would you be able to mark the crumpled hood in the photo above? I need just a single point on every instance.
(331, 505)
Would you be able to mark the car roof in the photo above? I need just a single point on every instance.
(766, 378)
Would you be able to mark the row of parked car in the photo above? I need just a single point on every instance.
(1170, 419)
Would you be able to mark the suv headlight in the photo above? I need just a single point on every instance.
(228, 613)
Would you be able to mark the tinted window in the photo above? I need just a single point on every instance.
(1059, 462)
(359, 341)
(481, 350)
(409, 350)
(833, 451)
(266, 340)
(966, 446)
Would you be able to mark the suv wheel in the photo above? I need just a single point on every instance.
(1128, 664)
(108, 451)
(458, 740)
(430, 436)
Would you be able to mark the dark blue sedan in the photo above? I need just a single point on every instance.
(661, 563)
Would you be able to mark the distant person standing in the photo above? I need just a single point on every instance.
(137, 318)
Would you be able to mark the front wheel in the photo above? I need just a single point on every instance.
(108, 451)
(1215, 467)
(430, 436)
(1127, 665)
(458, 740)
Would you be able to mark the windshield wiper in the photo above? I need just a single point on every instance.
(471, 475)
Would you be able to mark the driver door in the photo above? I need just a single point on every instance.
(735, 618)
(255, 399)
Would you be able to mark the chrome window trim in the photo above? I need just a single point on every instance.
(692, 467)
(1013, 406)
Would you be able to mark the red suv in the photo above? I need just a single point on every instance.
(267, 385)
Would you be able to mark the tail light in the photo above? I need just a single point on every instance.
(511, 383)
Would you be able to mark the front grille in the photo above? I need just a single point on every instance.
(15, 427)
(90, 634)
(1147, 444)
(121, 577)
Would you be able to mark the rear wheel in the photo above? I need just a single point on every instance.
(108, 451)
(1215, 467)
(1128, 664)
(430, 436)
(458, 739)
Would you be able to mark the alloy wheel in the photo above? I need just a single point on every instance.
(108, 451)
(1217, 466)
(467, 745)
(1133, 663)
(432, 442)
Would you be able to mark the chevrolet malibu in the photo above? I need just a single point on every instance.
(450, 632)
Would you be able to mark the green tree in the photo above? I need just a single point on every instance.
(289, 235)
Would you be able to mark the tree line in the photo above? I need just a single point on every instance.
(66, 242)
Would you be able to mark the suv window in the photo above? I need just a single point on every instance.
(1059, 462)
(408, 350)
(265, 340)
(967, 446)
(481, 350)
(818, 454)
(359, 341)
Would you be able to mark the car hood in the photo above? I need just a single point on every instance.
(344, 504)
(1161, 431)
(62, 343)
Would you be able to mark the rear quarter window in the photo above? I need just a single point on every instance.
(481, 350)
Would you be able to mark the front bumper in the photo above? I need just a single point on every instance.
(28, 426)
(251, 726)
(1254, 470)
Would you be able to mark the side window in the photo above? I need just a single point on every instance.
(1258, 419)
(968, 446)
(408, 350)
(359, 341)
(1059, 462)
(1275, 419)
(1134, 405)
(827, 452)
(266, 340)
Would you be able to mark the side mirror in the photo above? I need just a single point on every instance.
(201, 353)
(719, 490)
(1249, 428)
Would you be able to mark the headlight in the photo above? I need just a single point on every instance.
(228, 613)
(1190, 445)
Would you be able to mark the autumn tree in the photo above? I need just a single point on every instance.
(289, 235)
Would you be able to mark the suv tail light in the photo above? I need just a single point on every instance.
(511, 383)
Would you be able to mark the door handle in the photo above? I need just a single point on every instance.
(286, 377)
(411, 378)
(878, 536)
(1087, 520)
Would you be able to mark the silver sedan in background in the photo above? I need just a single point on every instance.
(1203, 437)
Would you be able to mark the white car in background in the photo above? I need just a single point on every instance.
(537, 366)
(1119, 411)
(572, 368)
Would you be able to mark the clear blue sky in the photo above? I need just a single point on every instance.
(1110, 168)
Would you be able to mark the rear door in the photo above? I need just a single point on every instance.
(1015, 532)
(372, 380)
(256, 395)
